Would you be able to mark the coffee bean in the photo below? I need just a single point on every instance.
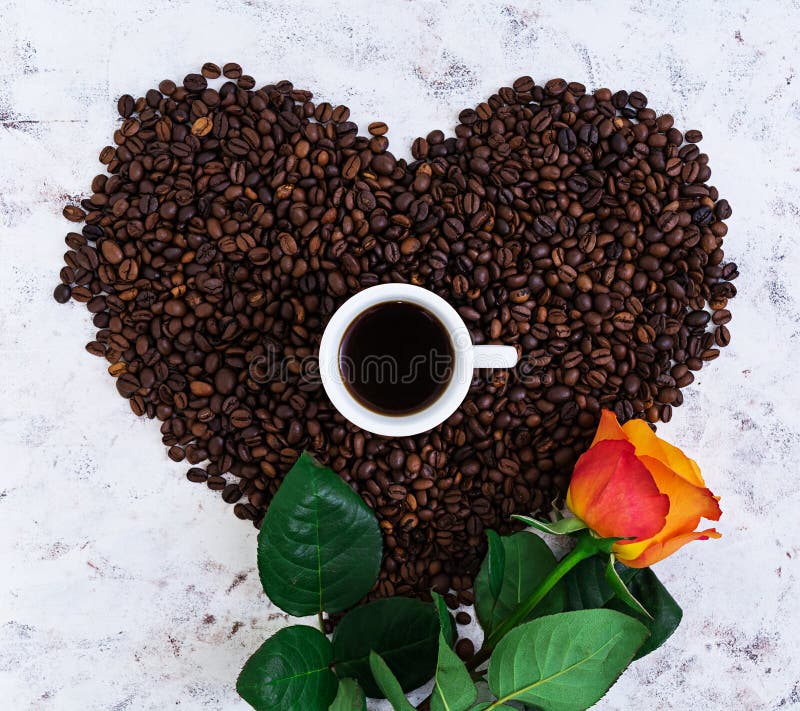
(202, 126)
(441, 583)
(721, 317)
(544, 226)
(96, 348)
(396, 492)
(524, 84)
(74, 213)
(167, 87)
(632, 384)
(201, 389)
(210, 70)
(288, 244)
(723, 210)
(377, 128)
(555, 87)
(127, 384)
(241, 418)
(231, 494)
(618, 143)
(62, 293)
(558, 393)
(637, 99)
(232, 70)
(465, 649)
(216, 483)
(567, 140)
(196, 475)
(231, 224)
(624, 321)
(126, 105)
(722, 336)
(128, 270)
(195, 82)
(697, 319)
(225, 381)
(112, 251)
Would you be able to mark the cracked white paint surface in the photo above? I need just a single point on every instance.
(126, 587)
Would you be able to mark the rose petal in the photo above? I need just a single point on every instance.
(608, 428)
(687, 503)
(615, 494)
(647, 443)
(634, 557)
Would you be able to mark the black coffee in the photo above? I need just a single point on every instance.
(396, 358)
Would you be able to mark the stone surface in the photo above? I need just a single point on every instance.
(125, 586)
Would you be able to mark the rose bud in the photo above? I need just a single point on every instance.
(633, 485)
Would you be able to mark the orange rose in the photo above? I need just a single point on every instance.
(632, 484)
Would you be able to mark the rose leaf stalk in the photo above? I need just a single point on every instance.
(586, 546)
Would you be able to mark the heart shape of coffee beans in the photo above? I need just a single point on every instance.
(233, 222)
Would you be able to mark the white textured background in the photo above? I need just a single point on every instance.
(123, 586)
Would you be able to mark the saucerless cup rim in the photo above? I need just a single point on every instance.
(396, 425)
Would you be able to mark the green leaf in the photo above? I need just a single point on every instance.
(588, 588)
(405, 632)
(528, 560)
(291, 667)
(486, 704)
(586, 585)
(320, 546)
(666, 613)
(621, 591)
(388, 683)
(496, 559)
(562, 527)
(349, 697)
(453, 689)
(564, 662)
(445, 618)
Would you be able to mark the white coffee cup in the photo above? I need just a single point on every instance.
(466, 357)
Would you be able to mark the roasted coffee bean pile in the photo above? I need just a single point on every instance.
(233, 222)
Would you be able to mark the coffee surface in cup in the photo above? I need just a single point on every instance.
(396, 358)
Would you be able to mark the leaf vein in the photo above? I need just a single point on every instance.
(514, 694)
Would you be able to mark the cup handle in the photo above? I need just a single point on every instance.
(495, 356)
